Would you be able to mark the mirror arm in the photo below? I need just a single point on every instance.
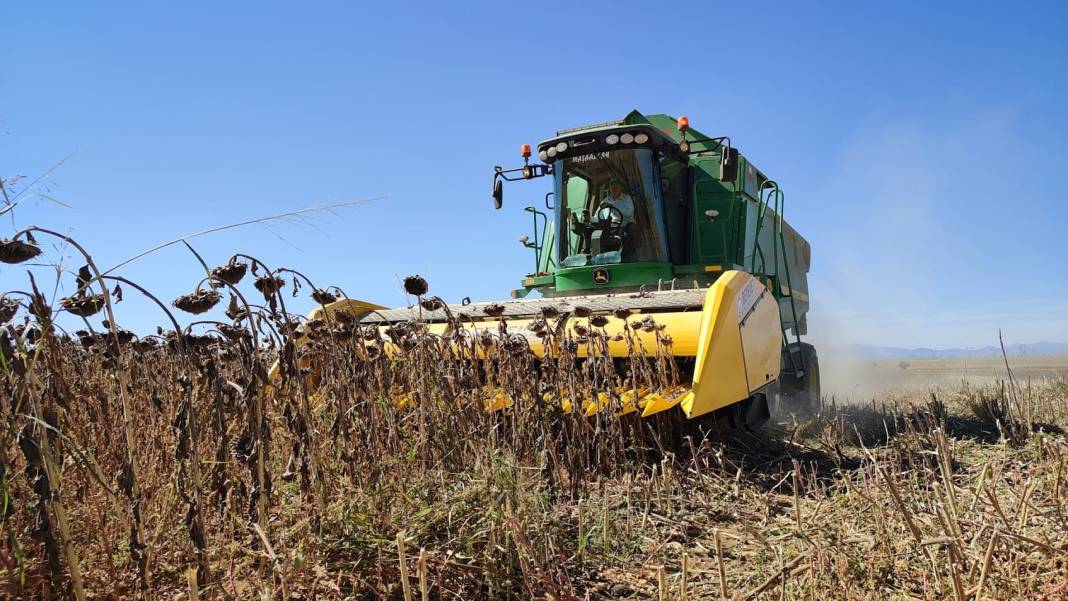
(525, 172)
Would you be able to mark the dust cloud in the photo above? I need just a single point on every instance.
(896, 262)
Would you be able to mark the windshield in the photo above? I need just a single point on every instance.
(610, 209)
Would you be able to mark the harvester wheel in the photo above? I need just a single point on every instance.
(750, 414)
(800, 395)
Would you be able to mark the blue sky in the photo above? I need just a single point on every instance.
(919, 145)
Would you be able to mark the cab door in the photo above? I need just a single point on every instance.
(713, 237)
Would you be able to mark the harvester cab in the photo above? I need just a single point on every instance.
(666, 277)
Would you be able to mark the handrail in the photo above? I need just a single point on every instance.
(762, 210)
(537, 245)
(778, 252)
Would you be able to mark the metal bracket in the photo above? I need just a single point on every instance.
(525, 172)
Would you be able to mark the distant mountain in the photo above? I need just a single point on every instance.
(1015, 350)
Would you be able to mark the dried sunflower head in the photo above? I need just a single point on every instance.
(416, 285)
(231, 273)
(622, 313)
(432, 304)
(323, 297)
(396, 332)
(581, 311)
(494, 310)
(199, 341)
(86, 338)
(83, 306)
(517, 344)
(17, 251)
(197, 302)
(550, 312)
(269, 284)
(233, 332)
(8, 308)
(125, 336)
(599, 321)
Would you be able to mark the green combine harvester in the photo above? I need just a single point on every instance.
(648, 219)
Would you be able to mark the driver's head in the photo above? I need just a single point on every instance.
(615, 187)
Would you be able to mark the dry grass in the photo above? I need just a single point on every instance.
(169, 467)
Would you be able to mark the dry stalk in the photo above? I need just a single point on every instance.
(719, 562)
(402, 562)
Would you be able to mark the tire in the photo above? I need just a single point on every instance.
(800, 395)
(750, 414)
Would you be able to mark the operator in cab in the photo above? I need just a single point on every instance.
(612, 220)
(619, 200)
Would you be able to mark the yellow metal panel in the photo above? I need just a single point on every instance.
(762, 342)
(681, 327)
(719, 377)
(713, 268)
(657, 402)
(351, 306)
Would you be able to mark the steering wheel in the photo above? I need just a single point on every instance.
(610, 215)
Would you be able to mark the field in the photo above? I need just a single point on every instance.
(850, 378)
(175, 466)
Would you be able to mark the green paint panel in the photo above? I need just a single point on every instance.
(620, 275)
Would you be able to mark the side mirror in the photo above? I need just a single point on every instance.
(498, 193)
(728, 165)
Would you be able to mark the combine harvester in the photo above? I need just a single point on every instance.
(662, 257)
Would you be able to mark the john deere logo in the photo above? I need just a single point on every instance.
(600, 276)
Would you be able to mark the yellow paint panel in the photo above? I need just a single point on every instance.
(662, 401)
(720, 368)
(351, 306)
(681, 326)
(762, 342)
